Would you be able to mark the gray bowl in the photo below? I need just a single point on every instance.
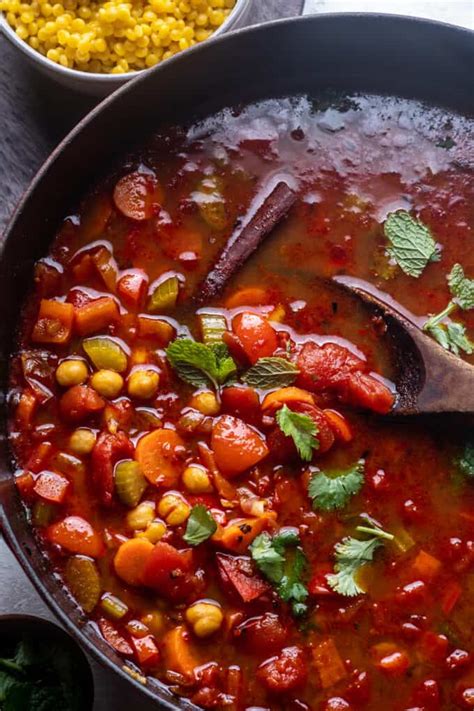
(100, 84)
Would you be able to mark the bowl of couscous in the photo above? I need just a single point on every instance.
(95, 46)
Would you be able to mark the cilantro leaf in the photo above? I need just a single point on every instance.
(271, 372)
(200, 526)
(282, 561)
(351, 554)
(199, 364)
(466, 460)
(301, 428)
(333, 492)
(411, 242)
(462, 288)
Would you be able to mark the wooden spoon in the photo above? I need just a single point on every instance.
(429, 379)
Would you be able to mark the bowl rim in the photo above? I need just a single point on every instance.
(105, 79)
(75, 630)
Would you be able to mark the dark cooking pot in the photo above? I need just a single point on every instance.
(370, 53)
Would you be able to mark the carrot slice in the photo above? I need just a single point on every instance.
(257, 337)
(146, 652)
(239, 533)
(285, 396)
(96, 315)
(159, 455)
(250, 296)
(156, 329)
(236, 445)
(329, 664)
(26, 409)
(179, 653)
(76, 535)
(131, 559)
(132, 287)
(339, 425)
(54, 323)
(138, 196)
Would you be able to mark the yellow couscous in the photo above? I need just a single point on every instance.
(114, 37)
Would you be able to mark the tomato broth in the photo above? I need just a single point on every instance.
(216, 484)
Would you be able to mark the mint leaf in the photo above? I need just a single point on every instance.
(282, 561)
(199, 364)
(351, 554)
(411, 242)
(271, 372)
(301, 428)
(462, 288)
(452, 336)
(466, 460)
(200, 526)
(334, 491)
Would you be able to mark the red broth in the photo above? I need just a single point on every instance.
(234, 604)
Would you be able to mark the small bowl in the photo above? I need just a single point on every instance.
(99, 85)
(14, 627)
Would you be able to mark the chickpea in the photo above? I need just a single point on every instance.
(71, 372)
(174, 509)
(107, 383)
(197, 480)
(82, 441)
(205, 618)
(143, 384)
(139, 518)
(153, 532)
(206, 402)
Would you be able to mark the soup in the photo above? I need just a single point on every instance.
(213, 479)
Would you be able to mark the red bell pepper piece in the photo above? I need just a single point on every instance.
(108, 449)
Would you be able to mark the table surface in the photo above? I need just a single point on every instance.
(34, 116)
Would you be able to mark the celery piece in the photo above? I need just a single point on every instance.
(43, 513)
(129, 482)
(211, 203)
(105, 353)
(83, 580)
(113, 606)
(164, 295)
(213, 327)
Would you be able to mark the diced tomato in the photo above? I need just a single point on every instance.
(339, 425)
(116, 640)
(54, 322)
(132, 288)
(171, 573)
(433, 647)
(236, 349)
(51, 487)
(146, 652)
(426, 565)
(75, 534)
(427, 695)
(284, 673)
(337, 703)
(264, 634)
(236, 445)
(242, 402)
(451, 595)
(80, 402)
(238, 576)
(26, 408)
(458, 661)
(257, 337)
(358, 689)
(318, 584)
(363, 390)
(107, 451)
(138, 196)
(324, 367)
(283, 447)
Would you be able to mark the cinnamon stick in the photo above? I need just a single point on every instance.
(246, 240)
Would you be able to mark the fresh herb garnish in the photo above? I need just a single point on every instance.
(466, 460)
(301, 428)
(200, 526)
(282, 561)
(334, 491)
(271, 372)
(452, 335)
(411, 242)
(199, 364)
(39, 677)
(351, 555)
